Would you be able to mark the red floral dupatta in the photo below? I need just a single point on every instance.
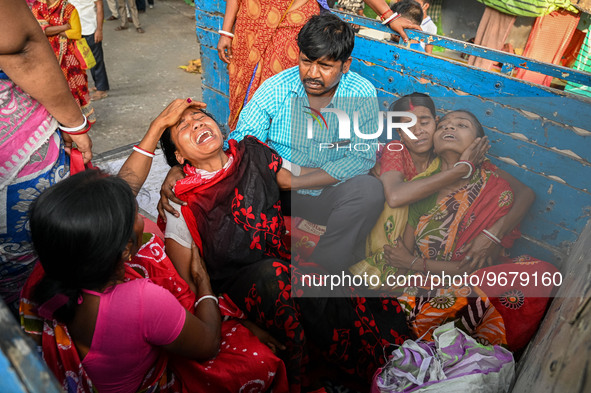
(241, 203)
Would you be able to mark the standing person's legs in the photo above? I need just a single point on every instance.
(140, 5)
(112, 4)
(134, 15)
(122, 14)
(99, 71)
(349, 211)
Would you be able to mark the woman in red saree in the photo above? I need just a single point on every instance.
(108, 308)
(233, 214)
(436, 241)
(61, 24)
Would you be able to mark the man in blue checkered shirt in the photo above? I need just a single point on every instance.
(324, 166)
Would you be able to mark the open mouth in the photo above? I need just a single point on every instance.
(448, 137)
(204, 137)
(314, 84)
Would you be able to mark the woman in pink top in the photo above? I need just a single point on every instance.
(108, 328)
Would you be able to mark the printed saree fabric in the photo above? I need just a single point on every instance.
(31, 160)
(264, 44)
(236, 221)
(230, 371)
(240, 203)
(494, 311)
(390, 225)
(58, 14)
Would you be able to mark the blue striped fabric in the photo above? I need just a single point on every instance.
(276, 114)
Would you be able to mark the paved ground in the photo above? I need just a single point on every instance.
(144, 77)
(143, 72)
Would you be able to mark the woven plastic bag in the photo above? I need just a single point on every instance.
(453, 362)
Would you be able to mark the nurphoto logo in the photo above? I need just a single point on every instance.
(393, 122)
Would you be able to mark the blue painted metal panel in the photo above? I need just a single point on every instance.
(459, 80)
(214, 71)
(207, 37)
(21, 369)
(541, 160)
(210, 6)
(212, 23)
(218, 105)
(480, 51)
(9, 381)
(544, 131)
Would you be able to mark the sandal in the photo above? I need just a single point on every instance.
(140, 30)
(112, 18)
(119, 28)
(98, 95)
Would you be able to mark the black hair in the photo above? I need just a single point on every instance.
(326, 35)
(409, 101)
(169, 148)
(479, 129)
(80, 228)
(410, 10)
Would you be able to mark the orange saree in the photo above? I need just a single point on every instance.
(265, 43)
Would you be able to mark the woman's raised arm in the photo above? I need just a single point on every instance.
(137, 167)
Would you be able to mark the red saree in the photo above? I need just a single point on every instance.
(264, 44)
(60, 13)
(242, 363)
(494, 314)
(235, 219)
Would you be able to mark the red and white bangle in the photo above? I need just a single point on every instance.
(143, 151)
(466, 163)
(79, 130)
(491, 237)
(206, 297)
(226, 33)
(391, 18)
